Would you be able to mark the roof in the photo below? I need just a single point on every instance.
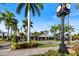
(41, 35)
(44, 36)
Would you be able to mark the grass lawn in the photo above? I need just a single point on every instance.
(44, 43)
(47, 43)
(51, 43)
(44, 46)
(2, 42)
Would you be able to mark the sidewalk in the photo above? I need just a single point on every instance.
(25, 52)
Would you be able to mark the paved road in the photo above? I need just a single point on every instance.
(25, 52)
(5, 46)
(5, 50)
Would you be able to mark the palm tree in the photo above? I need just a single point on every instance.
(33, 7)
(25, 24)
(53, 30)
(1, 17)
(69, 29)
(77, 5)
(59, 30)
(36, 34)
(14, 26)
(8, 18)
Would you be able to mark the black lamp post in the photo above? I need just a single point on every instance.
(63, 10)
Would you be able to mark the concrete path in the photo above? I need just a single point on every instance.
(25, 52)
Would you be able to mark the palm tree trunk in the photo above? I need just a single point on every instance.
(28, 35)
(11, 32)
(55, 34)
(8, 33)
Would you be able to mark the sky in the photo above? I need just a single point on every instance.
(47, 19)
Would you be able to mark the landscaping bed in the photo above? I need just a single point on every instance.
(54, 53)
(23, 45)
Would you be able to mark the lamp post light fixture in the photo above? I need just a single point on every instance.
(62, 10)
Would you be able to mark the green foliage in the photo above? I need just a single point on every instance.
(25, 23)
(33, 41)
(14, 40)
(54, 53)
(34, 7)
(22, 34)
(28, 45)
(23, 45)
(36, 34)
(49, 45)
(15, 46)
(77, 5)
(70, 54)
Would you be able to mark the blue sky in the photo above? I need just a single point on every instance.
(46, 20)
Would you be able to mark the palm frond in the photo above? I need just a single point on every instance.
(26, 10)
(32, 8)
(20, 6)
(37, 9)
(41, 6)
(77, 5)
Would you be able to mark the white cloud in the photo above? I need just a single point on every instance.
(75, 24)
(2, 27)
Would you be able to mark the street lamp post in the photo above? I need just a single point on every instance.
(63, 10)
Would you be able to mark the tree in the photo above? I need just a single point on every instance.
(54, 30)
(69, 29)
(1, 17)
(36, 34)
(77, 5)
(33, 7)
(25, 24)
(9, 20)
(14, 26)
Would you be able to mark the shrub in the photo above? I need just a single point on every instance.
(23, 45)
(15, 46)
(33, 41)
(54, 53)
(28, 45)
(14, 40)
